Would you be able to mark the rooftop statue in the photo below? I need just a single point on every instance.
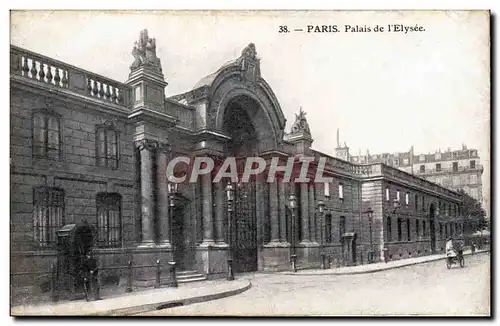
(144, 53)
(300, 123)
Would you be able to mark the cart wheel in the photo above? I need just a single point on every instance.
(462, 262)
(448, 263)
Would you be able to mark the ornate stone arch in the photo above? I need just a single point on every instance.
(239, 78)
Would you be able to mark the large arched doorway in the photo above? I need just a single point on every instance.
(432, 227)
(238, 124)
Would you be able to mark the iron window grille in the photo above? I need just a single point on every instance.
(48, 215)
(399, 230)
(408, 229)
(328, 229)
(389, 229)
(341, 226)
(109, 220)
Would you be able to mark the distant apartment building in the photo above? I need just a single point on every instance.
(452, 169)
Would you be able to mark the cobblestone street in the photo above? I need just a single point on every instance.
(425, 289)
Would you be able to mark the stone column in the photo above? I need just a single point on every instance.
(146, 148)
(304, 210)
(163, 195)
(208, 223)
(312, 211)
(219, 212)
(274, 211)
(282, 210)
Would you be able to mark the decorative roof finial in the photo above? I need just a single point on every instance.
(300, 123)
(144, 53)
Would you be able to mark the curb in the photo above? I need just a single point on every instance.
(380, 269)
(181, 302)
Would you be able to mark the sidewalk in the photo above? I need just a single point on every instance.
(376, 267)
(134, 303)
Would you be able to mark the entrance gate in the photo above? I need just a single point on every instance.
(245, 244)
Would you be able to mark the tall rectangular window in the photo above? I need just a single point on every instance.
(328, 229)
(46, 136)
(400, 231)
(407, 199)
(472, 164)
(473, 179)
(397, 196)
(455, 166)
(417, 228)
(327, 189)
(109, 219)
(441, 229)
(387, 194)
(408, 229)
(422, 168)
(389, 229)
(416, 202)
(48, 215)
(342, 226)
(341, 191)
(438, 167)
(107, 147)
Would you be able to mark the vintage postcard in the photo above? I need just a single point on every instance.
(250, 163)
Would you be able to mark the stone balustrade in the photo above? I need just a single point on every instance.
(58, 74)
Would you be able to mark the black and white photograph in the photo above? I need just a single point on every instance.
(323, 163)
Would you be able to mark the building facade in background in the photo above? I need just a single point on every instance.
(452, 169)
(88, 148)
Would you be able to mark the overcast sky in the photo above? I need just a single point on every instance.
(385, 91)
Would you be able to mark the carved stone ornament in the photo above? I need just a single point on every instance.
(146, 144)
(144, 53)
(164, 148)
(250, 64)
(300, 124)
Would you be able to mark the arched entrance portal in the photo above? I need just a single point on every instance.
(238, 123)
(432, 227)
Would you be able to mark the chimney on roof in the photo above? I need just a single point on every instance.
(338, 138)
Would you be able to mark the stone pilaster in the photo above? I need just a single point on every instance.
(304, 210)
(208, 223)
(274, 211)
(146, 148)
(163, 195)
(282, 210)
(219, 212)
(312, 213)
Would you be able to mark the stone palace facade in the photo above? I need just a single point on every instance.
(85, 147)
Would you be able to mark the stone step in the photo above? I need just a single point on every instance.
(189, 280)
(183, 277)
(186, 272)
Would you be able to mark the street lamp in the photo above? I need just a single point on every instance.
(172, 191)
(230, 200)
(321, 209)
(369, 213)
(292, 203)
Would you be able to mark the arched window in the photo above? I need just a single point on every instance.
(109, 219)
